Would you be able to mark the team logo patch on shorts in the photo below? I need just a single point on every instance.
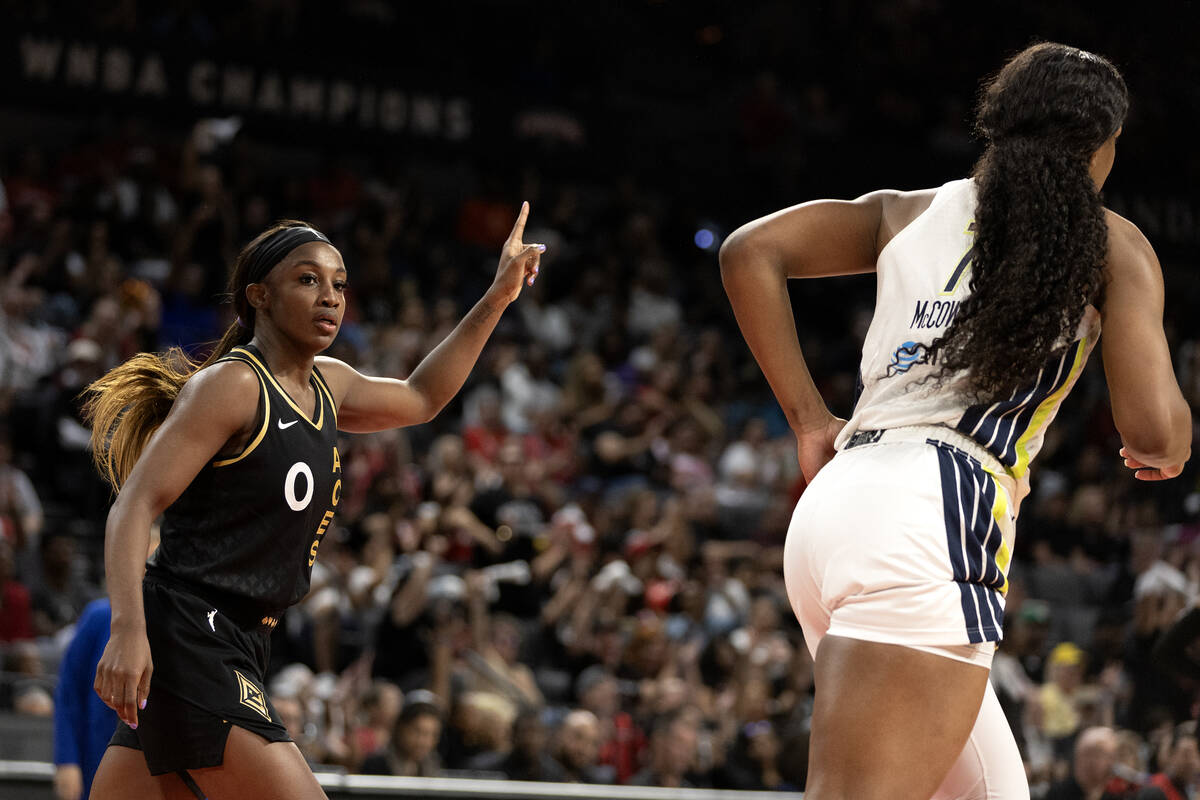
(251, 695)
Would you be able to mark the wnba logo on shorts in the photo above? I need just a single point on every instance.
(251, 695)
(907, 356)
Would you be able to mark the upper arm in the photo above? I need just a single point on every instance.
(1146, 399)
(826, 237)
(368, 404)
(213, 405)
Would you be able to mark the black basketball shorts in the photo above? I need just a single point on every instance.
(208, 675)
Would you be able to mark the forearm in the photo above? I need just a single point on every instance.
(581, 622)
(31, 526)
(410, 601)
(126, 540)
(548, 561)
(757, 290)
(442, 373)
(554, 609)
(477, 617)
(440, 668)
(482, 534)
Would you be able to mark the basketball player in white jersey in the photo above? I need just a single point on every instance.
(991, 295)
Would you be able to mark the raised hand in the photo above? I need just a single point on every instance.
(518, 261)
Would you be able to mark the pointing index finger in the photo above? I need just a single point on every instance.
(519, 228)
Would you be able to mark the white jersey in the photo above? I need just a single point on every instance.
(923, 276)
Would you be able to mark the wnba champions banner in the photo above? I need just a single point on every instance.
(83, 74)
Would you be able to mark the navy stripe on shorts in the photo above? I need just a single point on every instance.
(973, 539)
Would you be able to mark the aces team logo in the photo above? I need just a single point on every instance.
(251, 696)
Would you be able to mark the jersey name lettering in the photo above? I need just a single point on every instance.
(934, 314)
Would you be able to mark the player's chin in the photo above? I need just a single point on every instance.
(322, 335)
(315, 340)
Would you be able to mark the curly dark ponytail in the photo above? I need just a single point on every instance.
(1040, 234)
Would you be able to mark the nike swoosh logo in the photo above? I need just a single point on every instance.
(282, 425)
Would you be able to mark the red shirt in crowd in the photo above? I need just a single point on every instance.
(16, 614)
(623, 751)
(1166, 786)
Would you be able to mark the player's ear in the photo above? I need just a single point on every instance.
(256, 294)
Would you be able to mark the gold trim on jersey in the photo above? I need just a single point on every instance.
(1049, 406)
(328, 394)
(320, 403)
(265, 423)
(251, 696)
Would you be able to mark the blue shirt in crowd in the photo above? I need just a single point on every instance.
(83, 724)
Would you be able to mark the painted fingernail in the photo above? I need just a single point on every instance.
(142, 705)
(541, 248)
(133, 726)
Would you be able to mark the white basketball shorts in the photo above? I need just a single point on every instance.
(904, 540)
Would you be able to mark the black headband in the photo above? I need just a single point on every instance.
(276, 247)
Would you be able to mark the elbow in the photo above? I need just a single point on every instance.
(730, 248)
(426, 407)
(1162, 437)
(428, 413)
(738, 247)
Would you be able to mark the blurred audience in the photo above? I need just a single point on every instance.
(1179, 759)
(1091, 768)
(412, 750)
(578, 749)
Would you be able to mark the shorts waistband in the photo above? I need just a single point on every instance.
(247, 614)
(922, 433)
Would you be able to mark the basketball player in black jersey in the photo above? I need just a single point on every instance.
(239, 456)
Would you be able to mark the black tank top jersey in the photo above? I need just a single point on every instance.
(248, 526)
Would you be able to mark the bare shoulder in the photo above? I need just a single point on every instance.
(221, 393)
(1129, 251)
(333, 366)
(224, 376)
(897, 209)
(338, 374)
(1123, 236)
(902, 203)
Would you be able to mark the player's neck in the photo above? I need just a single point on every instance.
(287, 363)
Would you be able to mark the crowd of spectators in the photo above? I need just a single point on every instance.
(573, 573)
